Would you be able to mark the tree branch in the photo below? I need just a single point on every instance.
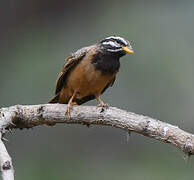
(28, 116)
(5, 160)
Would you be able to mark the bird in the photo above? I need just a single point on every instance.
(89, 71)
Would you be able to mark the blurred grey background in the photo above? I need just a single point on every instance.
(36, 36)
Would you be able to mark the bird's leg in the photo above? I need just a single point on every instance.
(70, 105)
(101, 103)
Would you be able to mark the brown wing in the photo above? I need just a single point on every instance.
(71, 62)
(108, 85)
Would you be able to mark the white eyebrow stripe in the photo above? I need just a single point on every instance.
(111, 43)
(114, 50)
(119, 38)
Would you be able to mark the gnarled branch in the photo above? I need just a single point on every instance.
(28, 116)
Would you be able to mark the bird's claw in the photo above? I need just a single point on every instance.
(103, 105)
(68, 111)
(69, 107)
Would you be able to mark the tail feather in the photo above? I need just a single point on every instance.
(54, 99)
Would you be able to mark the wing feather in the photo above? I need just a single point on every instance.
(71, 62)
(109, 85)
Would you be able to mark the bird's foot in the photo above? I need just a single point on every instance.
(67, 112)
(103, 105)
(69, 107)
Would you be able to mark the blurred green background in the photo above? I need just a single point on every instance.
(157, 81)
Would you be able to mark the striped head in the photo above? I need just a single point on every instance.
(116, 45)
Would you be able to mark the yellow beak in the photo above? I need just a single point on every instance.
(126, 49)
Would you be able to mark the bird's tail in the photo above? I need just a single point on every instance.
(54, 99)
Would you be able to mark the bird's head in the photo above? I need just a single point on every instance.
(116, 45)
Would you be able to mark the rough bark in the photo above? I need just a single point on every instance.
(28, 116)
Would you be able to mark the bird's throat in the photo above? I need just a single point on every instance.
(106, 63)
